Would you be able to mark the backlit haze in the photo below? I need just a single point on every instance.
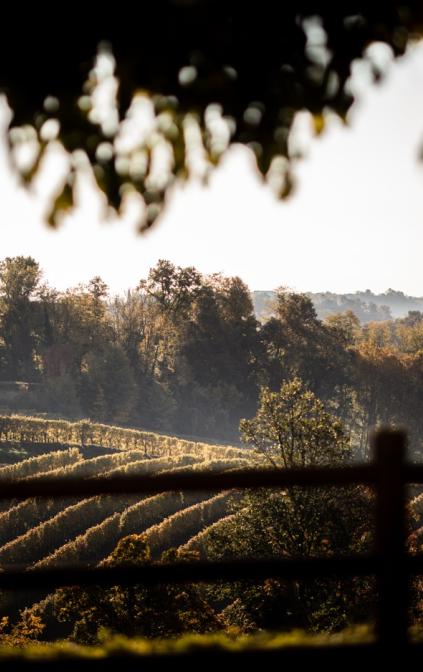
(355, 221)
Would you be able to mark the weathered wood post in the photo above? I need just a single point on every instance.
(390, 447)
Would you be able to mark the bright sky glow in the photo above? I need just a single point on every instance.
(355, 221)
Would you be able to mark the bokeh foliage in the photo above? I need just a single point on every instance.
(240, 71)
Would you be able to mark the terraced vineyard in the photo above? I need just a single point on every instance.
(41, 533)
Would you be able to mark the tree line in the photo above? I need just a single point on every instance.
(184, 353)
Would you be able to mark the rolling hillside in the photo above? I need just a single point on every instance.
(41, 533)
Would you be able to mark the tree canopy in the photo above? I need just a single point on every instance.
(292, 428)
(185, 353)
(212, 74)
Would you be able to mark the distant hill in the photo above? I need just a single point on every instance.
(367, 306)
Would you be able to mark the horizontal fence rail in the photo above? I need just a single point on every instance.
(243, 478)
(177, 572)
(388, 475)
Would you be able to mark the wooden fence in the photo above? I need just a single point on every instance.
(388, 473)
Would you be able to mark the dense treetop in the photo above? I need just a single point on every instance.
(214, 73)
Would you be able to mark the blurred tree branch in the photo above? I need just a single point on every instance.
(211, 73)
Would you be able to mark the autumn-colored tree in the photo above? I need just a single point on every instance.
(293, 429)
(107, 386)
(164, 610)
(174, 288)
(299, 344)
(217, 358)
(19, 281)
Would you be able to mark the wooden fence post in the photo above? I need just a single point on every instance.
(390, 448)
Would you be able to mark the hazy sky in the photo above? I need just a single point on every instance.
(355, 222)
